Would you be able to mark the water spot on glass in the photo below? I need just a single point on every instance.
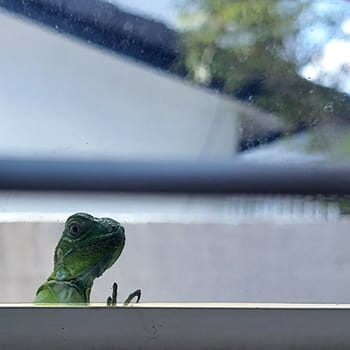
(128, 27)
(328, 108)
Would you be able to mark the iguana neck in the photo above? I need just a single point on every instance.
(82, 283)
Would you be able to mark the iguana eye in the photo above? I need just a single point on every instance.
(74, 229)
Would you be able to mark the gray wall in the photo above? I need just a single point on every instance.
(256, 262)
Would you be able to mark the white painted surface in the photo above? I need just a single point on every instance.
(60, 97)
(207, 262)
(159, 208)
(237, 327)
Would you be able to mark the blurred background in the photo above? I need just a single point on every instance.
(255, 81)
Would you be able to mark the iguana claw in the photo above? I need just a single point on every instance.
(136, 294)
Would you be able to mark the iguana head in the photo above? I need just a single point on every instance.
(88, 246)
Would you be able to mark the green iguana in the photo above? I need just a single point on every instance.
(88, 246)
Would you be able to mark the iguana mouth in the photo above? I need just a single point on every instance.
(107, 237)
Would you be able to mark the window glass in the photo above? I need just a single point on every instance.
(262, 82)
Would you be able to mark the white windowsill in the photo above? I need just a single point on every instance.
(177, 326)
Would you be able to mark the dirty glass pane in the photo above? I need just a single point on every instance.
(179, 80)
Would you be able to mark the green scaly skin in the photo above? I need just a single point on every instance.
(88, 246)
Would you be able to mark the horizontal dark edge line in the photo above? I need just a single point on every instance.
(207, 177)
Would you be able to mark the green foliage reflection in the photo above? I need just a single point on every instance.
(251, 50)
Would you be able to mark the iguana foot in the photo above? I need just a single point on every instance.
(112, 300)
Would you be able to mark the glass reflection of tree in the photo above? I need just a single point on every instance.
(255, 50)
